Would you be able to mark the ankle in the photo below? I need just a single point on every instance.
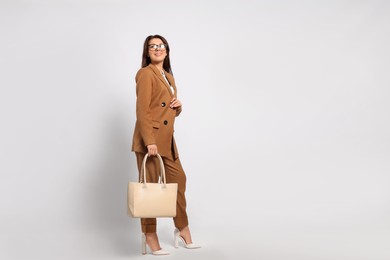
(185, 234)
(185, 231)
(152, 241)
(150, 234)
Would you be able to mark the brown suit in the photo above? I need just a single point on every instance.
(155, 119)
(155, 125)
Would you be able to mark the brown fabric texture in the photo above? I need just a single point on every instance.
(155, 119)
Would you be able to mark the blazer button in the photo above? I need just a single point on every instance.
(163, 104)
(165, 122)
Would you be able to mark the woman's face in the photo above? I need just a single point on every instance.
(157, 50)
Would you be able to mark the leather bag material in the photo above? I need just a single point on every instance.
(152, 200)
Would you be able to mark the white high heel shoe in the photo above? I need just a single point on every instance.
(177, 237)
(157, 252)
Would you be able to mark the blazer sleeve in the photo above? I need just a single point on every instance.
(179, 109)
(144, 89)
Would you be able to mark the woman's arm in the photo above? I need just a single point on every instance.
(144, 98)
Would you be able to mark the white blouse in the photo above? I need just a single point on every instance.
(165, 77)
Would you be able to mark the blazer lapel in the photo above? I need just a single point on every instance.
(160, 76)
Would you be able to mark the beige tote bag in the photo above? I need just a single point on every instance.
(151, 200)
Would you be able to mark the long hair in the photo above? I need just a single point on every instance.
(145, 55)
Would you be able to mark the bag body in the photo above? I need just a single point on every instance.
(151, 200)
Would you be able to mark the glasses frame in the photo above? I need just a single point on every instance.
(161, 46)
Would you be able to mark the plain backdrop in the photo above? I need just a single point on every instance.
(284, 134)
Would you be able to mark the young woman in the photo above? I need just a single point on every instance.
(156, 108)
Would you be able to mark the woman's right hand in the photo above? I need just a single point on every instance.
(152, 149)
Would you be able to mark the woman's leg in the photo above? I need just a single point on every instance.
(175, 174)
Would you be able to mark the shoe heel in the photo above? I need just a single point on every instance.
(176, 242)
(143, 249)
(176, 235)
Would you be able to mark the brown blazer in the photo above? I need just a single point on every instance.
(155, 119)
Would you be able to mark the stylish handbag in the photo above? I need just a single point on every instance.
(151, 200)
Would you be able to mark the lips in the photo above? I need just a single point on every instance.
(158, 55)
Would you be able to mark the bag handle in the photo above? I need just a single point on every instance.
(162, 170)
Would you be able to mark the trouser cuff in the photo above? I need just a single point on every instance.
(149, 228)
(181, 222)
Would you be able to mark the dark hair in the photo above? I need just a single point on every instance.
(145, 55)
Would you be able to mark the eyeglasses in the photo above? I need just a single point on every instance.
(156, 46)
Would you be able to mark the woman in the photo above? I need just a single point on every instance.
(157, 107)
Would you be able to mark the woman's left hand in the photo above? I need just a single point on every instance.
(175, 103)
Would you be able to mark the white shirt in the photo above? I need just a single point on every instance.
(169, 84)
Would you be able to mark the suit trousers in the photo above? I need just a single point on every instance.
(175, 174)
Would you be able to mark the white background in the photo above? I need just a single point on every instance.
(284, 134)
